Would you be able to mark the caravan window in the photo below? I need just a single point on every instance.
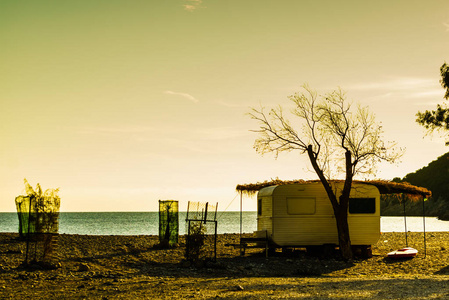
(362, 205)
(259, 206)
(301, 206)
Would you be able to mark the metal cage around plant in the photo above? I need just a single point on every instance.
(38, 214)
(201, 239)
(168, 222)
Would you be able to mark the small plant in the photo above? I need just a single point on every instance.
(38, 213)
(44, 208)
(168, 223)
(195, 240)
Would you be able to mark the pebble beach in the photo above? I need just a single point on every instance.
(134, 267)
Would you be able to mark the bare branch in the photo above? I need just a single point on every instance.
(331, 128)
(276, 133)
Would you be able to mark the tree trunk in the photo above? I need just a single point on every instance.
(341, 214)
(341, 219)
(344, 240)
(340, 207)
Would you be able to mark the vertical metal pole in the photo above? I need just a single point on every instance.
(188, 241)
(28, 231)
(424, 226)
(160, 222)
(241, 215)
(216, 225)
(215, 242)
(187, 214)
(405, 222)
(241, 218)
(216, 210)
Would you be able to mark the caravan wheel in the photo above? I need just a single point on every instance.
(323, 251)
(367, 252)
(362, 251)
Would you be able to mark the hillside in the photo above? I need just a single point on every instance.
(435, 177)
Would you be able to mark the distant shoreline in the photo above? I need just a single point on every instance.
(146, 223)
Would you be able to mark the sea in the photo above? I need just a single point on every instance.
(147, 223)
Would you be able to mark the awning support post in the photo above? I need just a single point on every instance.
(424, 226)
(405, 222)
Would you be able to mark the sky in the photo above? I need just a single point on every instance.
(124, 103)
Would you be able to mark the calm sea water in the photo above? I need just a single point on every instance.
(146, 223)
(130, 223)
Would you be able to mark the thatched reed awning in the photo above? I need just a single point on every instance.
(384, 187)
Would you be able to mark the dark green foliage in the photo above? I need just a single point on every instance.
(445, 79)
(439, 118)
(21, 203)
(434, 119)
(393, 205)
(435, 177)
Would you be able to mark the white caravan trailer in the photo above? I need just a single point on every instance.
(302, 215)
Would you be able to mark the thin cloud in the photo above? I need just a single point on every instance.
(396, 84)
(116, 130)
(420, 90)
(447, 26)
(185, 95)
(435, 93)
(189, 7)
(192, 5)
(222, 133)
(231, 105)
(427, 103)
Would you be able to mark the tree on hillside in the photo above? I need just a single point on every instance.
(437, 119)
(336, 140)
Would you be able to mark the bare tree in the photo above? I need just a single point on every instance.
(335, 139)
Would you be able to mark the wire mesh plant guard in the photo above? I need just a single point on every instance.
(38, 214)
(201, 222)
(168, 223)
(22, 206)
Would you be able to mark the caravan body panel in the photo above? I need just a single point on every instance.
(302, 215)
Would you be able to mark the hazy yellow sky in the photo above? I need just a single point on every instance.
(123, 103)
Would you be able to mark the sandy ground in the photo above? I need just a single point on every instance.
(133, 267)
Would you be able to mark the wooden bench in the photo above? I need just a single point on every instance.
(253, 242)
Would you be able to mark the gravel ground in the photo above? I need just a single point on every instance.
(133, 267)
